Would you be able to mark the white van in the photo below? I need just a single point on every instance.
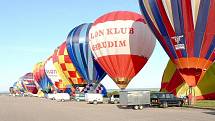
(62, 97)
(94, 98)
(51, 96)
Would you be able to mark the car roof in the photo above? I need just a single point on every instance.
(161, 93)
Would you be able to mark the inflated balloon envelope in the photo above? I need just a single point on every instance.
(41, 77)
(172, 81)
(52, 74)
(64, 81)
(185, 29)
(28, 82)
(36, 74)
(18, 86)
(65, 65)
(81, 56)
(122, 44)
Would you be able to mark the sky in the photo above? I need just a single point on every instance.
(30, 30)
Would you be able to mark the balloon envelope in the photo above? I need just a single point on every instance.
(51, 72)
(64, 82)
(172, 81)
(28, 82)
(41, 78)
(81, 55)
(18, 86)
(68, 67)
(36, 72)
(185, 29)
(122, 44)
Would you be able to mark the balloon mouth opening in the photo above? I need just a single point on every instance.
(192, 75)
(192, 71)
(121, 82)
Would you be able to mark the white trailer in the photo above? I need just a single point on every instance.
(135, 98)
(94, 98)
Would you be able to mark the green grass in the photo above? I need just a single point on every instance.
(205, 104)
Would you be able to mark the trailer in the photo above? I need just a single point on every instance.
(94, 98)
(136, 99)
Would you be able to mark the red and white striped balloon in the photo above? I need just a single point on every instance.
(122, 43)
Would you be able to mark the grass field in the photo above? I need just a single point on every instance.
(205, 104)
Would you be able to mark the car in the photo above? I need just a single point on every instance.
(114, 99)
(50, 96)
(164, 100)
(80, 97)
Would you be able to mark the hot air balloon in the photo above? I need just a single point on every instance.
(46, 82)
(79, 51)
(185, 29)
(41, 78)
(122, 44)
(172, 81)
(28, 83)
(15, 88)
(69, 71)
(18, 87)
(64, 82)
(36, 74)
(37, 79)
(52, 74)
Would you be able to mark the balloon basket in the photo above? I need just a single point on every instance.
(122, 89)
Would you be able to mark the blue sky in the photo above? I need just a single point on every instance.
(30, 30)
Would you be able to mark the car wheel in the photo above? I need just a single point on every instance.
(95, 102)
(136, 107)
(115, 102)
(62, 100)
(140, 107)
(179, 104)
(164, 105)
(78, 100)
